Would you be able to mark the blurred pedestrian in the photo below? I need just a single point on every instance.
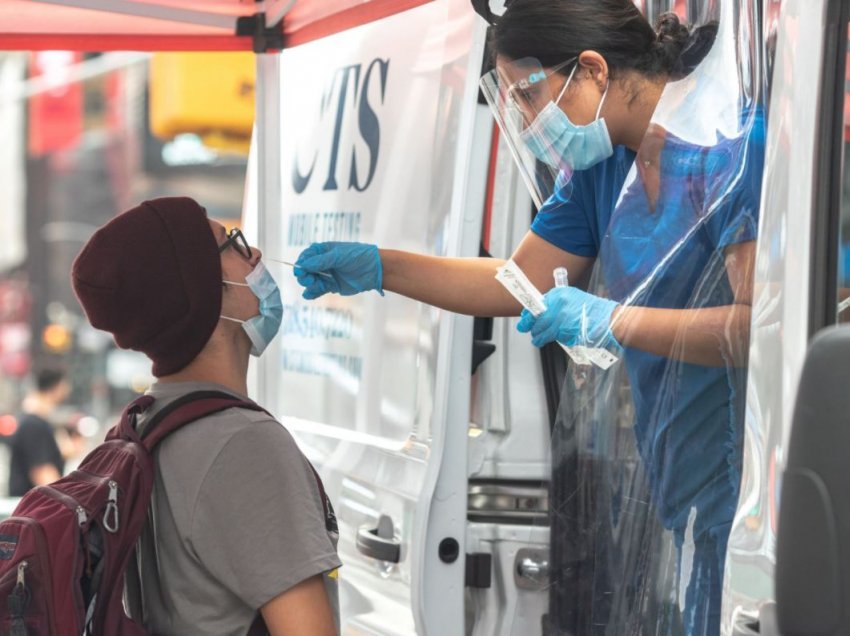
(35, 455)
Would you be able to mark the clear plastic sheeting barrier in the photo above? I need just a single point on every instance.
(647, 454)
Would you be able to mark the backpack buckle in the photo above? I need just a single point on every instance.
(110, 515)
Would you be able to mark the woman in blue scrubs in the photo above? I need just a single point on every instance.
(668, 221)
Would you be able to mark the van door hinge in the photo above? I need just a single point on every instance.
(264, 39)
(479, 569)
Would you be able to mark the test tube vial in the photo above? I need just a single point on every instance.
(562, 278)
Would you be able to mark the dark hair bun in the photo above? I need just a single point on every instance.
(670, 30)
(671, 37)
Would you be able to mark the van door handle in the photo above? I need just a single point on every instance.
(379, 543)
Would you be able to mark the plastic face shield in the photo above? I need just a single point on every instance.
(517, 92)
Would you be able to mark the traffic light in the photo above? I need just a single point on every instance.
(207, 94)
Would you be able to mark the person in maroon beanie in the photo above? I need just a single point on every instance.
(237, 522)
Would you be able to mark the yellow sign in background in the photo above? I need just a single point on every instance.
(208, 94)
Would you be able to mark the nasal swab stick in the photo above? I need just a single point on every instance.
(275, 260)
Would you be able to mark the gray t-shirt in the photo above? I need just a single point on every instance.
(237, 517)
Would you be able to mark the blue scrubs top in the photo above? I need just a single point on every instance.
(689, 418)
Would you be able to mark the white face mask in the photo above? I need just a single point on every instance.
(263, 327)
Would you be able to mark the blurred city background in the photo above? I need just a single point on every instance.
(82, 138)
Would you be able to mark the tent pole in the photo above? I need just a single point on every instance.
(276, 9)
(269, 193)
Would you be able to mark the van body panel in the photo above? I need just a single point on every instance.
(381, 142)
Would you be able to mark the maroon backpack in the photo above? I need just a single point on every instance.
(64, 552)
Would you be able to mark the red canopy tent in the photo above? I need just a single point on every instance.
(180, 25)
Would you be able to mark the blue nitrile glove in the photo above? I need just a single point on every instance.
(351, 268)
(572, 317)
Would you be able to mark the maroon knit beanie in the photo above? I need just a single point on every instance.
(152, 277)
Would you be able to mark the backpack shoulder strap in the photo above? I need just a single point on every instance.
(188, 408)
(126, 427)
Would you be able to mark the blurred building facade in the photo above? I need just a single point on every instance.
(76, 148)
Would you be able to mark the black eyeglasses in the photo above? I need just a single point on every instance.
(236, 239)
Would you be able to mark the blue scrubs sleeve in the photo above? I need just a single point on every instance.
(566, 224)
(737, 167)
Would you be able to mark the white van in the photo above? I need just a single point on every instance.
(432, 430)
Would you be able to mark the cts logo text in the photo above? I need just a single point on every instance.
(348, 94)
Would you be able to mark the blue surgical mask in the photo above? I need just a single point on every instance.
(558, 142)
(262, 328)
